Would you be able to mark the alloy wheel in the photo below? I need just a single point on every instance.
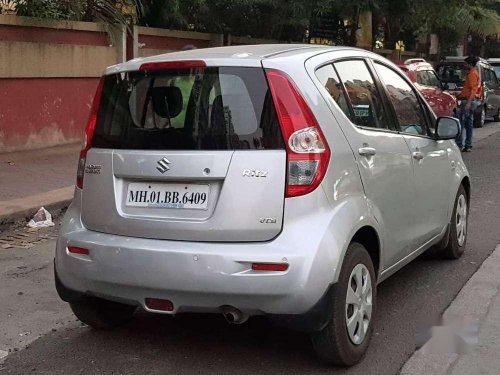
(461, 220)
(359, 304)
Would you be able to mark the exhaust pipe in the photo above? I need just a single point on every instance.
(233, 315)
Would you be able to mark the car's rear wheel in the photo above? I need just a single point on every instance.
(102, 314)
(346, 337)
(480, 117)
(457, 240)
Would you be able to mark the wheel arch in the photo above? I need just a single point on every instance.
(369, 238)
(366, 234)
(466, 184)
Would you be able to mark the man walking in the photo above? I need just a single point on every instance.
(468, 104)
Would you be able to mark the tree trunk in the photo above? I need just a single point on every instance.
(354, 27)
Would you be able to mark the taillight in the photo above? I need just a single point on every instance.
(480, 92)
(89, 134)
(307, 150)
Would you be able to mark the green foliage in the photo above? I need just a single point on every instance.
(105, 11)
(51, 9)
(288, 19)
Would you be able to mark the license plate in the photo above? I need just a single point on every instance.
(158, 195)
(361, 110)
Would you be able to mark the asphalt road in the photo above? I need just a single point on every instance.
(154, 344)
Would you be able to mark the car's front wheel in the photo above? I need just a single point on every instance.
(345, 338)
(102, 314)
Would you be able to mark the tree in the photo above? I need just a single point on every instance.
(108, 12)
(289, 20)
(449, 19)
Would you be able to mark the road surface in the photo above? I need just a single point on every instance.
(40, 335)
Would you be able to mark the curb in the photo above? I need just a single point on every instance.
(23, 208)
(474, 302)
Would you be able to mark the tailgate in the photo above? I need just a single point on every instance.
(186, 154)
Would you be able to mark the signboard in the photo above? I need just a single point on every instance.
(325, 26)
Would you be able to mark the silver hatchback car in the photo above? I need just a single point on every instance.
(277, 180)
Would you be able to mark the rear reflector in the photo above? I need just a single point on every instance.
(78, 250)
(269, 266)
(171, 65)
(159, 304)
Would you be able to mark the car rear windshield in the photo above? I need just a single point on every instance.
(454, 73)
(213, 108)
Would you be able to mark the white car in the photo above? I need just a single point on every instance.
(277, 180)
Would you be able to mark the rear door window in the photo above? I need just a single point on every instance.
(405, 102)
(222, 108)
(330, 80)
(365, 99)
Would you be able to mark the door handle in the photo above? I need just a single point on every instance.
(417, 155)
(367, 151)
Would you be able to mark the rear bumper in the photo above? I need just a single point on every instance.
(200, 277)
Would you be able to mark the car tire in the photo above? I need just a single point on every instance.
(338, 343)
(102, 314)
(496, 118)
(457, 240)
(479, 117)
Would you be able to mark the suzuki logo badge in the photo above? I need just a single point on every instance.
(163, 165)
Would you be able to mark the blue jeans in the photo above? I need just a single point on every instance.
(466, 118)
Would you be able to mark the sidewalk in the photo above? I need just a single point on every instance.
(31, 179)
(479, 300)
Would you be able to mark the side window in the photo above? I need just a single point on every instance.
(330, 80)
(364, 98)
(409, 113)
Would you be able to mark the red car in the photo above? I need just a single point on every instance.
(423, 75)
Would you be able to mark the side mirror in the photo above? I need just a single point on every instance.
(447, 128)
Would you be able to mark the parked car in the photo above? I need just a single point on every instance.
(425, 79)
(277, 180)
(452, 73)
(495, 64)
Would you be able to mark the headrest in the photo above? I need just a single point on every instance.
(167, 101)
